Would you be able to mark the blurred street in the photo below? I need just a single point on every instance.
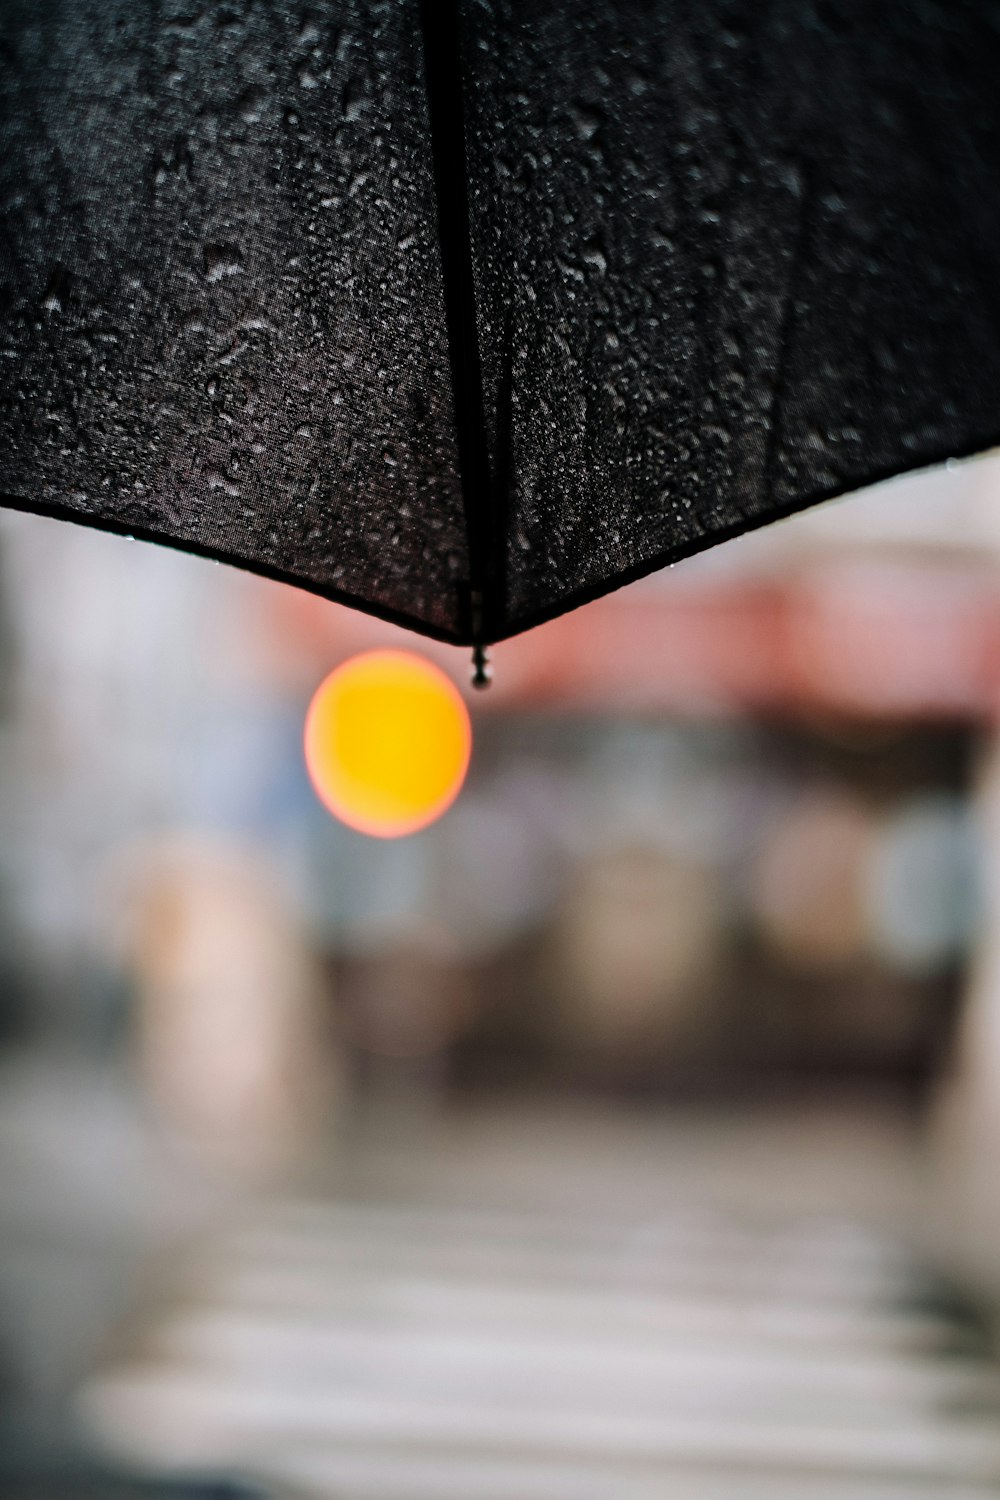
(528, 1302)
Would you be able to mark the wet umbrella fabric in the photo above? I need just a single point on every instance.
(467, 313)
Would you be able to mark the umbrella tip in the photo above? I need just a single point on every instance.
(482, 672)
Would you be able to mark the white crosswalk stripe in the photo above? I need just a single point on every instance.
(391, 1351)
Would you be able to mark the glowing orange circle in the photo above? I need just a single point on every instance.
(387, 743)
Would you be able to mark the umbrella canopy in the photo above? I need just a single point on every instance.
(465, 312)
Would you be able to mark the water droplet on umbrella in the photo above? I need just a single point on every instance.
(251, 105)
(593, 255)
(221, 261)
(216, 480)
(177, 163)
(587, 119)
(231, 353)
(58, 290)
(355, 100)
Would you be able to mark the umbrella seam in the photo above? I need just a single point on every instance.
(483, 611)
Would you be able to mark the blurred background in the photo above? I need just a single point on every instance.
(633, 1130)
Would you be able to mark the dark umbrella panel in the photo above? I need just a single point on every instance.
(464, 315)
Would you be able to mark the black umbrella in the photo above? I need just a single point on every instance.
(465, 312)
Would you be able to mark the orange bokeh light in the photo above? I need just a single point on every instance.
(387, 743)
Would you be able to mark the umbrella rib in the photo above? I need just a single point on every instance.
(482, 608)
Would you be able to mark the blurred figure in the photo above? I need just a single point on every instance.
(807, 889)
(234, 1027)
(633, 943)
